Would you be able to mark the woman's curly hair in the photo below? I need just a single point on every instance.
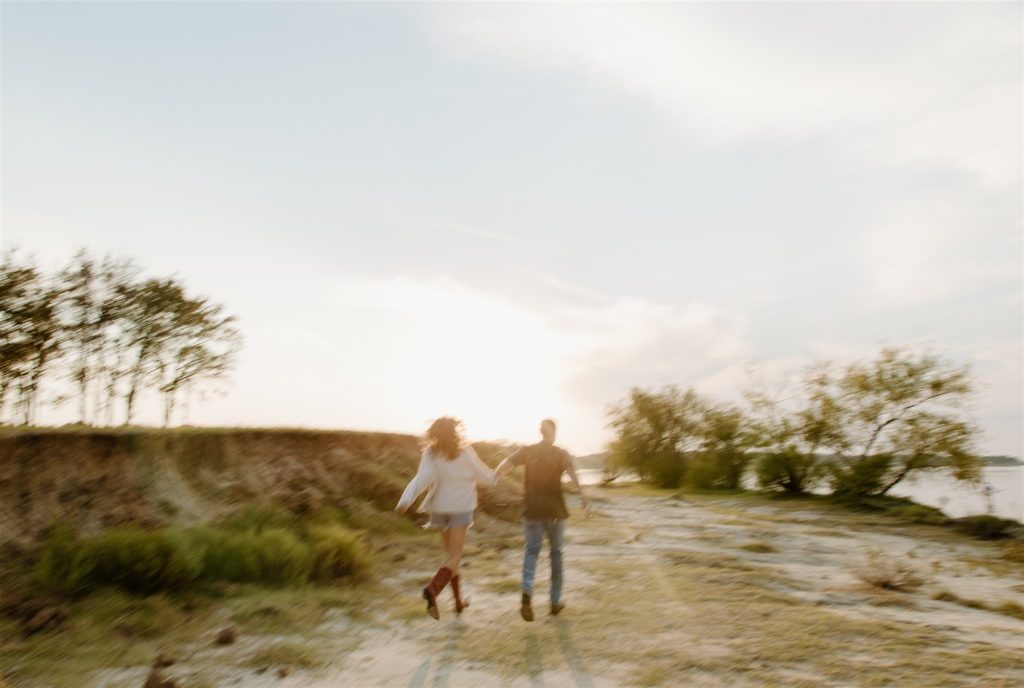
(444, 437)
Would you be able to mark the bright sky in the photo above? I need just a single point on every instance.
(506, 212)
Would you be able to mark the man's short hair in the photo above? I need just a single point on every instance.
(549, 421)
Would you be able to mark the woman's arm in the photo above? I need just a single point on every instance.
(483, 472)
(425, 475)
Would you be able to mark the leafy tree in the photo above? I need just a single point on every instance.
(902, 413)
(17, 288)
(30, 341)
(82, 295)
(791, 432)
(111, 334)
(725, 450)
(201, 349)
(657, 433)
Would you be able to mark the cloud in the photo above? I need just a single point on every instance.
(857, 77)
(921, 103)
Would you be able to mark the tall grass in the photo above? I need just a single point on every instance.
(254, 547)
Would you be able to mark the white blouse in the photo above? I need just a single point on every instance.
(452, 482)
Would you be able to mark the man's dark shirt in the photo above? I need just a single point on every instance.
(543, 480)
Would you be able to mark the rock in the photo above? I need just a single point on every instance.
(163, 660)
(227, 636)
(157, 680)
(46, 617)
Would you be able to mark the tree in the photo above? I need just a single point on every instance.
(111, 334)
(725, 453)
(201, 349)
(902, 413)
(17, 288)
(82, 298)
(119, 278)
(30, 333)
(791, 432)
(657, 433)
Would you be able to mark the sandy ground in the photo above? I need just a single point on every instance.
(663, 590)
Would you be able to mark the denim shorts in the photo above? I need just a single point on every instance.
(444, 521)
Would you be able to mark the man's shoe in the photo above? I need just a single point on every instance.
(526, 609)
(556, 608)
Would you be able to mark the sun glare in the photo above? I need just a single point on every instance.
(463, 353)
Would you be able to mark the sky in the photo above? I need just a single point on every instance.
(511, 211)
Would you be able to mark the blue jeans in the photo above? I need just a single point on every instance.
(535, 530)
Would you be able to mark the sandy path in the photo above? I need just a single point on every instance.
(649, 602)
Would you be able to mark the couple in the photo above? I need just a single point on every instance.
(452, 469)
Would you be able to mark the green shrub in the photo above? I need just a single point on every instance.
(919, 513)
(58, 568)
(721, 470)
(145, 562)
(857, 477)
(336, 552)
(135, 560)
(986, 527)
(274, 556)
(142, 561)
(788, 470)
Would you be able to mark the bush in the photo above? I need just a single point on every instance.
(135, 560)
(890, 572)
(919, 513)
(145, 562)
(788, 470)
(336, 552)
(274, 556)
(718, 470)
(854, 478)
(986, 527)
(141, 562)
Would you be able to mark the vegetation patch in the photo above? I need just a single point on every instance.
(285, 654)
(889, 572)
(1008, 608)
(177, 559)
(987, 527)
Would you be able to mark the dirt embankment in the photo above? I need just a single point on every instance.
(96, 479)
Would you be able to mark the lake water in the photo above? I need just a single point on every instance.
(1004, 486)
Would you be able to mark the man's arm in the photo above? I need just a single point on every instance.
(570, 466)
(510, 462)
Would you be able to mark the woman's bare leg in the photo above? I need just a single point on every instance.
(455, 539)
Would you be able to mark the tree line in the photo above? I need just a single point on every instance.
(98, 334)
(860, 429)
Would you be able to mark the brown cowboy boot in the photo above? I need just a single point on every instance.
(434, 588)
(460, 604)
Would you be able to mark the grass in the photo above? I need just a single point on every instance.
(253, 547)
(695, 618)
(286, 654)
(1007, 608)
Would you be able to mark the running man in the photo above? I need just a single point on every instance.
(545, 511)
